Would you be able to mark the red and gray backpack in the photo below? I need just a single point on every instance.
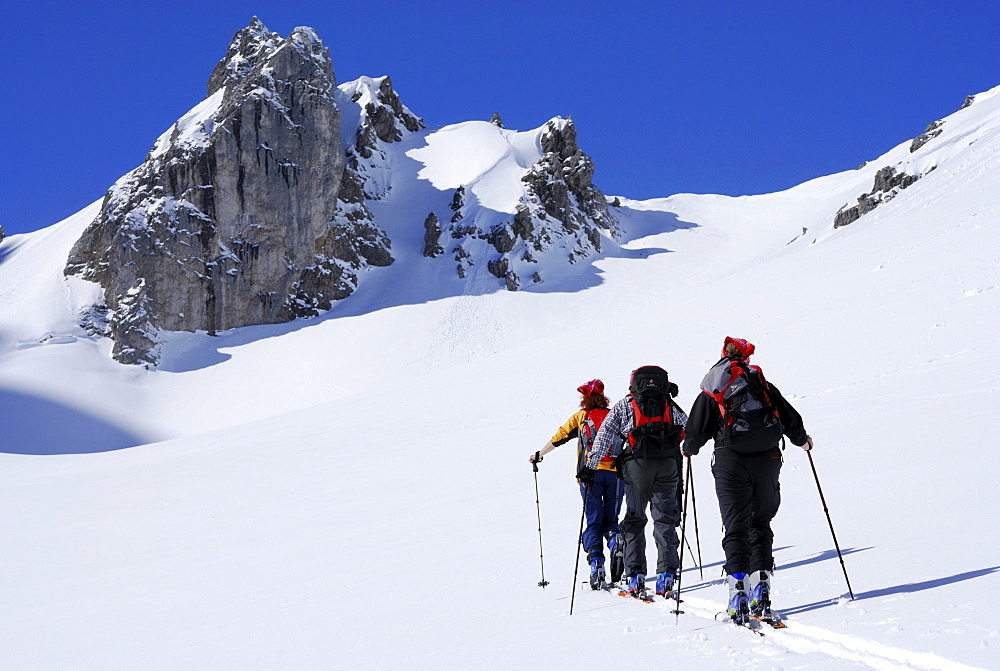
(749, 420)
(588, 432)
(654, 434)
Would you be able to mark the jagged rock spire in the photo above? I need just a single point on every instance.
(248, 47)
(228, 221)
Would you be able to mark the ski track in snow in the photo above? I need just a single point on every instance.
(802, 638)
(473, 328)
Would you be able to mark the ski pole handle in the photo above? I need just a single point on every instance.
(534, 464)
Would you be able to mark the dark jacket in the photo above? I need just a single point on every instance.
(705, 421)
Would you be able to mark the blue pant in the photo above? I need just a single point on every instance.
(601, 505)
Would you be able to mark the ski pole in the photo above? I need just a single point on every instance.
(680, 569)
(830, 522)
(694, 510)
(579, 544)
(538, 507)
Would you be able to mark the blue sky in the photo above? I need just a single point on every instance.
(668, 97)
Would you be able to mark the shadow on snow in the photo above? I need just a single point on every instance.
(906, 588)
(818, 557)
(45, 427)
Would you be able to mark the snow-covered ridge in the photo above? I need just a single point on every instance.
(193, 130)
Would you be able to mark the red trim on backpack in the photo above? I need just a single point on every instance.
(639, 419)
(734, 372)
(597, 415)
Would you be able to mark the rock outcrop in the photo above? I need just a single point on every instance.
(562, 209)
(432, 235)
(934, 129)
(376, 117)
(888, 183)
(236, 216)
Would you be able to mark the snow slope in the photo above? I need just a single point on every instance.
(353, 491)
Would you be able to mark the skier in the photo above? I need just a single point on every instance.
(602, 494)
(747, 416)
(649, 464)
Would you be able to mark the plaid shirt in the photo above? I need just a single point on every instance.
(614, 430)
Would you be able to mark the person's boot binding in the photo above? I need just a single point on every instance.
(616, 546)
(739, 606)
(597, 573)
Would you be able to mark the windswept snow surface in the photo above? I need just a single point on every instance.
(353, 491)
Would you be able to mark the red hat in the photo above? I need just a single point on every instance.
(744, 346)
(593, 387)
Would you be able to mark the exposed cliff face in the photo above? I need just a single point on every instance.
(228, 221)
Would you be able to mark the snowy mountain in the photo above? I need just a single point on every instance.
(351, 490)
(250, 210)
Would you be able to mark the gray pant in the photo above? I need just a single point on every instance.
(653, 483)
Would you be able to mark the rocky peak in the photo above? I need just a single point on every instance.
(382, 114)
(232, 220)
(249, 46)
(564, 172)
(561, 212)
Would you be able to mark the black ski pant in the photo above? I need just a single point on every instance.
(651, 483)
(749, 496)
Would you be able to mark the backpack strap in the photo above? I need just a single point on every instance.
(720, 396)
(591, 423)
(660, 425)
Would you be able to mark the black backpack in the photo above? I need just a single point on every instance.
(654, 434)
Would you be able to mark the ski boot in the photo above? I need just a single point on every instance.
(665, 584)
(616, 546)
(637, 584)
(760, 600)
(597, 573)
(760, 595)
(739, 605)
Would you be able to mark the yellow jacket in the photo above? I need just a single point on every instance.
(571, 430)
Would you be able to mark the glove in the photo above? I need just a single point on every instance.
(586, 475)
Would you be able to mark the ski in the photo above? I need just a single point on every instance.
(723, 616)
(643, 596)
(774, 620)
(613, 588)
